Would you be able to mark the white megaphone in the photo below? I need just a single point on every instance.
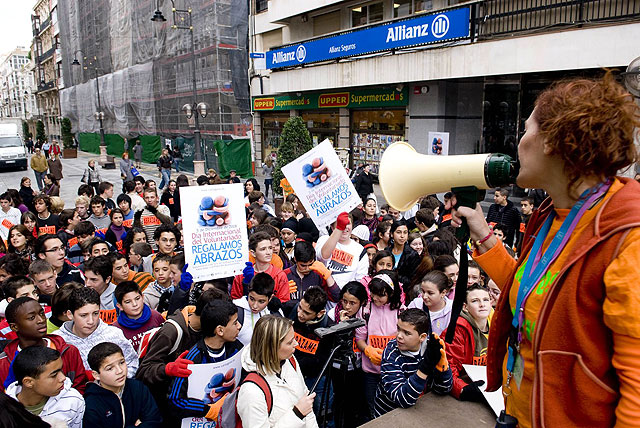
(406, 175)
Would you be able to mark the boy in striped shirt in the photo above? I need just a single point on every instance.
(412, 364)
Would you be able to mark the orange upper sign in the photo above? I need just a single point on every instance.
(340, 99)
(264, 103)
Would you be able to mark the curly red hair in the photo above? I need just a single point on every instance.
(591, 124)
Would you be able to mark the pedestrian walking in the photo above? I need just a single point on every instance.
(55, 166)
(125, 167)
(177, 158)
(91, 175)
(39, 166)
(46, 146)
(54, 149)
(137, 153)
(164, 165)
(267, 170)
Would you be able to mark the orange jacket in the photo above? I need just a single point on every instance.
(583, 354)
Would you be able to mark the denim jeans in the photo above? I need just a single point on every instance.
(176, 164)
(268, 182)
(166, 176)
(39, 178)
(371, 381)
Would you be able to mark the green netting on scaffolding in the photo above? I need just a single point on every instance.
(145, 69)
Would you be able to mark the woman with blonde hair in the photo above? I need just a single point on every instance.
(270, 354)
(91, 175)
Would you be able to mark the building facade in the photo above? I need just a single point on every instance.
(47, 71)
(367, 73)
(145, 70)
(17, 86)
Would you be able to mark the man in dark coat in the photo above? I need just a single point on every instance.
(503, 212)
(364, 183)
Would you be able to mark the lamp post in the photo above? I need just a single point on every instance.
(182, 21)
(99, 115)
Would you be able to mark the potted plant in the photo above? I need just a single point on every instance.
(294, 142)
(68, 150)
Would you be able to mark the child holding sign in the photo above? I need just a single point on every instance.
(219, 328)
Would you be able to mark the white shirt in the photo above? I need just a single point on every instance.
(8, 219)
(347, 262)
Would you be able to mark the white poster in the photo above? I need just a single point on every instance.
(322, 184)
(214, 225)
(495, 398)
(439, 143)
(211, 382)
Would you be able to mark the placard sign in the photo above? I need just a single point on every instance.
(321, 183)
(211, 383)
(438, 143)
(215, 230)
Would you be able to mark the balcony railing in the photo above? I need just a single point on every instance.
(45, 86)
(44, 25)
(45, 56)
(506, 17)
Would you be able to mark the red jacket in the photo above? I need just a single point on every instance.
(281, 290)
(460, 352)
(71, 361)
(576, 383)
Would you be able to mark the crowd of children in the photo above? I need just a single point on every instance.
(102, 319)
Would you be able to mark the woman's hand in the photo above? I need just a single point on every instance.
(305, 404)
(478, 227)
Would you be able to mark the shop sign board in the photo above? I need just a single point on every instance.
(377, 97)
(422, 30)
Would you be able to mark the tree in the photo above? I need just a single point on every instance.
(41, 135)
(67, 135)
(294, 142)
(26, 133)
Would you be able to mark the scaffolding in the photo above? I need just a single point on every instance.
(145, 68)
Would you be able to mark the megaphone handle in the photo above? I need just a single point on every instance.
(467, 196)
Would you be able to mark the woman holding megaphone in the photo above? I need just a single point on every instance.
(570, 357)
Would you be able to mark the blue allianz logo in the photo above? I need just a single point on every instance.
(440, 26)
(453, 24)
(301, 53)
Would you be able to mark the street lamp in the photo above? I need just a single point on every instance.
(182, 21)
(99, 115)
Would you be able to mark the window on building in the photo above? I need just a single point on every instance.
(326, 23)
(366, 14)
(262, 5)
(407, 7)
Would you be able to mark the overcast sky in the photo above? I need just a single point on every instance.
(15, 28)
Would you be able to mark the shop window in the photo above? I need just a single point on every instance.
(322, 125)
(366, 14)
(372, 131)
(407, 7)
(272, 124)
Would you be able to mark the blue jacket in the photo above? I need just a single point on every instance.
(104, 409)
(400, 386)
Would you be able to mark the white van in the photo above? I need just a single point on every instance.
(13, 153)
